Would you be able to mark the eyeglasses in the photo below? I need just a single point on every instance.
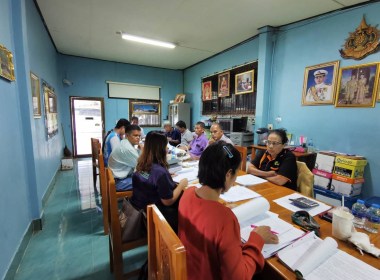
(275, 144)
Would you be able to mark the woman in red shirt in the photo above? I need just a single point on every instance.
(210, 231)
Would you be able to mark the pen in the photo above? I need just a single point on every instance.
(252, 226)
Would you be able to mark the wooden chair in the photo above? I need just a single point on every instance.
(104, 191)
(94, 152)
(243, 153)
(166, 253)
(116, 247)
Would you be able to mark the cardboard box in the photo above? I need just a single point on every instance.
(336, 154)
(325, 163)
(67, 163)
(346, 189)
(353, 162)
(322, 173)
(349, 171)
(348, 180)
(322, 182)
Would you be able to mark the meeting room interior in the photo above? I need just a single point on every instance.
(190, 139)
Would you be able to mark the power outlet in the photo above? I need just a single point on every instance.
(270, 126)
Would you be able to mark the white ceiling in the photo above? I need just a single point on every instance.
(201, 28)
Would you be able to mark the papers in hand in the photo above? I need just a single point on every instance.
(249, 180)
(238, 193)
(286, 203)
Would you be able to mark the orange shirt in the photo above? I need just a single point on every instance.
(210, 233)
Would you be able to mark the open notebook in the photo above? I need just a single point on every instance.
(315, 259)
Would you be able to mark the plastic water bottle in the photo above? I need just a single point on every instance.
(359, 211)
(173, 154)
(372, 223)
(310, 146)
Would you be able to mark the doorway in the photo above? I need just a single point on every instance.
(87, 121)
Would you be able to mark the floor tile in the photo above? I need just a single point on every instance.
(75, 267)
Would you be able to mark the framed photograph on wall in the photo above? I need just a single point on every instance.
(224, 84)
(206, 91)
(179, 98)
(378, 90)
(140, 108)
(50, 109)
(357, 86)
(244, 82)
(319, 84)
(6, 64)
(35, 85)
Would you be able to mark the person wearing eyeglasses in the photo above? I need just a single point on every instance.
(277, 165)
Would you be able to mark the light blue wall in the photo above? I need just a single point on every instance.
(348, 130)
(192, 76)
(89, 77)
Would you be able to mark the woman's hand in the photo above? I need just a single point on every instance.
(264, 232)
(184, 182)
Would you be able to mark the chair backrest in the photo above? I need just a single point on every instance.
(166, 253)
(113, 220)
(102, 172)
(243, 153)
(94, 150)
(305, 179)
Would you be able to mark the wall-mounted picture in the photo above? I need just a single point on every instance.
(139, 108)
(378, 90)
(6, 64)
(357, 86)
(206, 91)
(179, 98)
(35, 86)
(224, 84)
(50, 108)
(319, 84)
(244, 82)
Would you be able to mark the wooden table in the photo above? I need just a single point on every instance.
(274, 269)
(310, 156)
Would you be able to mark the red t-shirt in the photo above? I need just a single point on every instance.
(210, 233)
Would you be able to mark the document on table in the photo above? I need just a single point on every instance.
(249, 180)
(288, 204)
(238, 193)
(190, 176)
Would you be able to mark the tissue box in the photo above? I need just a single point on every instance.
(325, 163)
(349, 171)
(322, 182)
(322, 173)
(346, 189)
(349, 161)
(67, 163)
(348, 180)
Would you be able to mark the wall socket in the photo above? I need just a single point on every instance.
(270, 126)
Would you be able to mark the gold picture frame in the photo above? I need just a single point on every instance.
(378, 90)
(207, 91)
(6, 64)
(357, 86)
(224, 84)
(51, 118)
(36, 101)
(244, 82)
(180, 98)
(141, 108)
(319, 84)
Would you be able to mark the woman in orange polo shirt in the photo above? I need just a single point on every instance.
(277, 165)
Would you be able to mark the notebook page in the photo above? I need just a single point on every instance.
(284, 240)
(238, 193)
(251, 209)
(249, 180)
(190, 176)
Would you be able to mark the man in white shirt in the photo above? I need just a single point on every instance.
(217, 134)
(321, 91)
(186, 136)
(123, 159)
(135, 121)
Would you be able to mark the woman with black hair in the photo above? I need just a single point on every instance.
(152, 182)
(277, 165)
(210, 231)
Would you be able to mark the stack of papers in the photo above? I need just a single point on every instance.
(191, 175)
(288, 204)
(249, 180)
(194, 163)
(238, 193)
(175, 168)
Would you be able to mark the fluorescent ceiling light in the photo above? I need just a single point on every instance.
(147, 41)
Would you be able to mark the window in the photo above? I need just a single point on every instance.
(148, 112)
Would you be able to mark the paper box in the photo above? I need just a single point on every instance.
(349, 171)
(322, 182)
(353, 162)
(325, 163)
(322, 173)
(67, 163)
(348, 180)
(346, 189)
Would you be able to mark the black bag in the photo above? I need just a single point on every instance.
(133, 222)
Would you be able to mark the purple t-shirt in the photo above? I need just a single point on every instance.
(198, 145)
(150, 188)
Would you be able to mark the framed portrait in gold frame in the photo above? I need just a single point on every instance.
(207, 91)
(319, 84)
(50, 109)
(35, 86)
(357, 86)
(224, 84)
(179, 98)
(6, 64)
(378, 90)
(244, 82)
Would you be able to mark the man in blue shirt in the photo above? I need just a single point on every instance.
(113, 139)
(173, 134)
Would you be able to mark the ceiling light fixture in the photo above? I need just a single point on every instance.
(146, 40)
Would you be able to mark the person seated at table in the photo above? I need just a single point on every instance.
(218, 135)
(123, 159)
(152, 182)
(173, 134)
(199, 143)
(186, 136)
(135, 120)
(113, 139)
(210, 231)
(277, 165)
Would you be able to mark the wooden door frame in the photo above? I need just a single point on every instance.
(72, 121)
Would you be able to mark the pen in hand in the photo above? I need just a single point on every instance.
(253, 226)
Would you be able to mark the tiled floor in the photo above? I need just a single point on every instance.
(71, 244)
